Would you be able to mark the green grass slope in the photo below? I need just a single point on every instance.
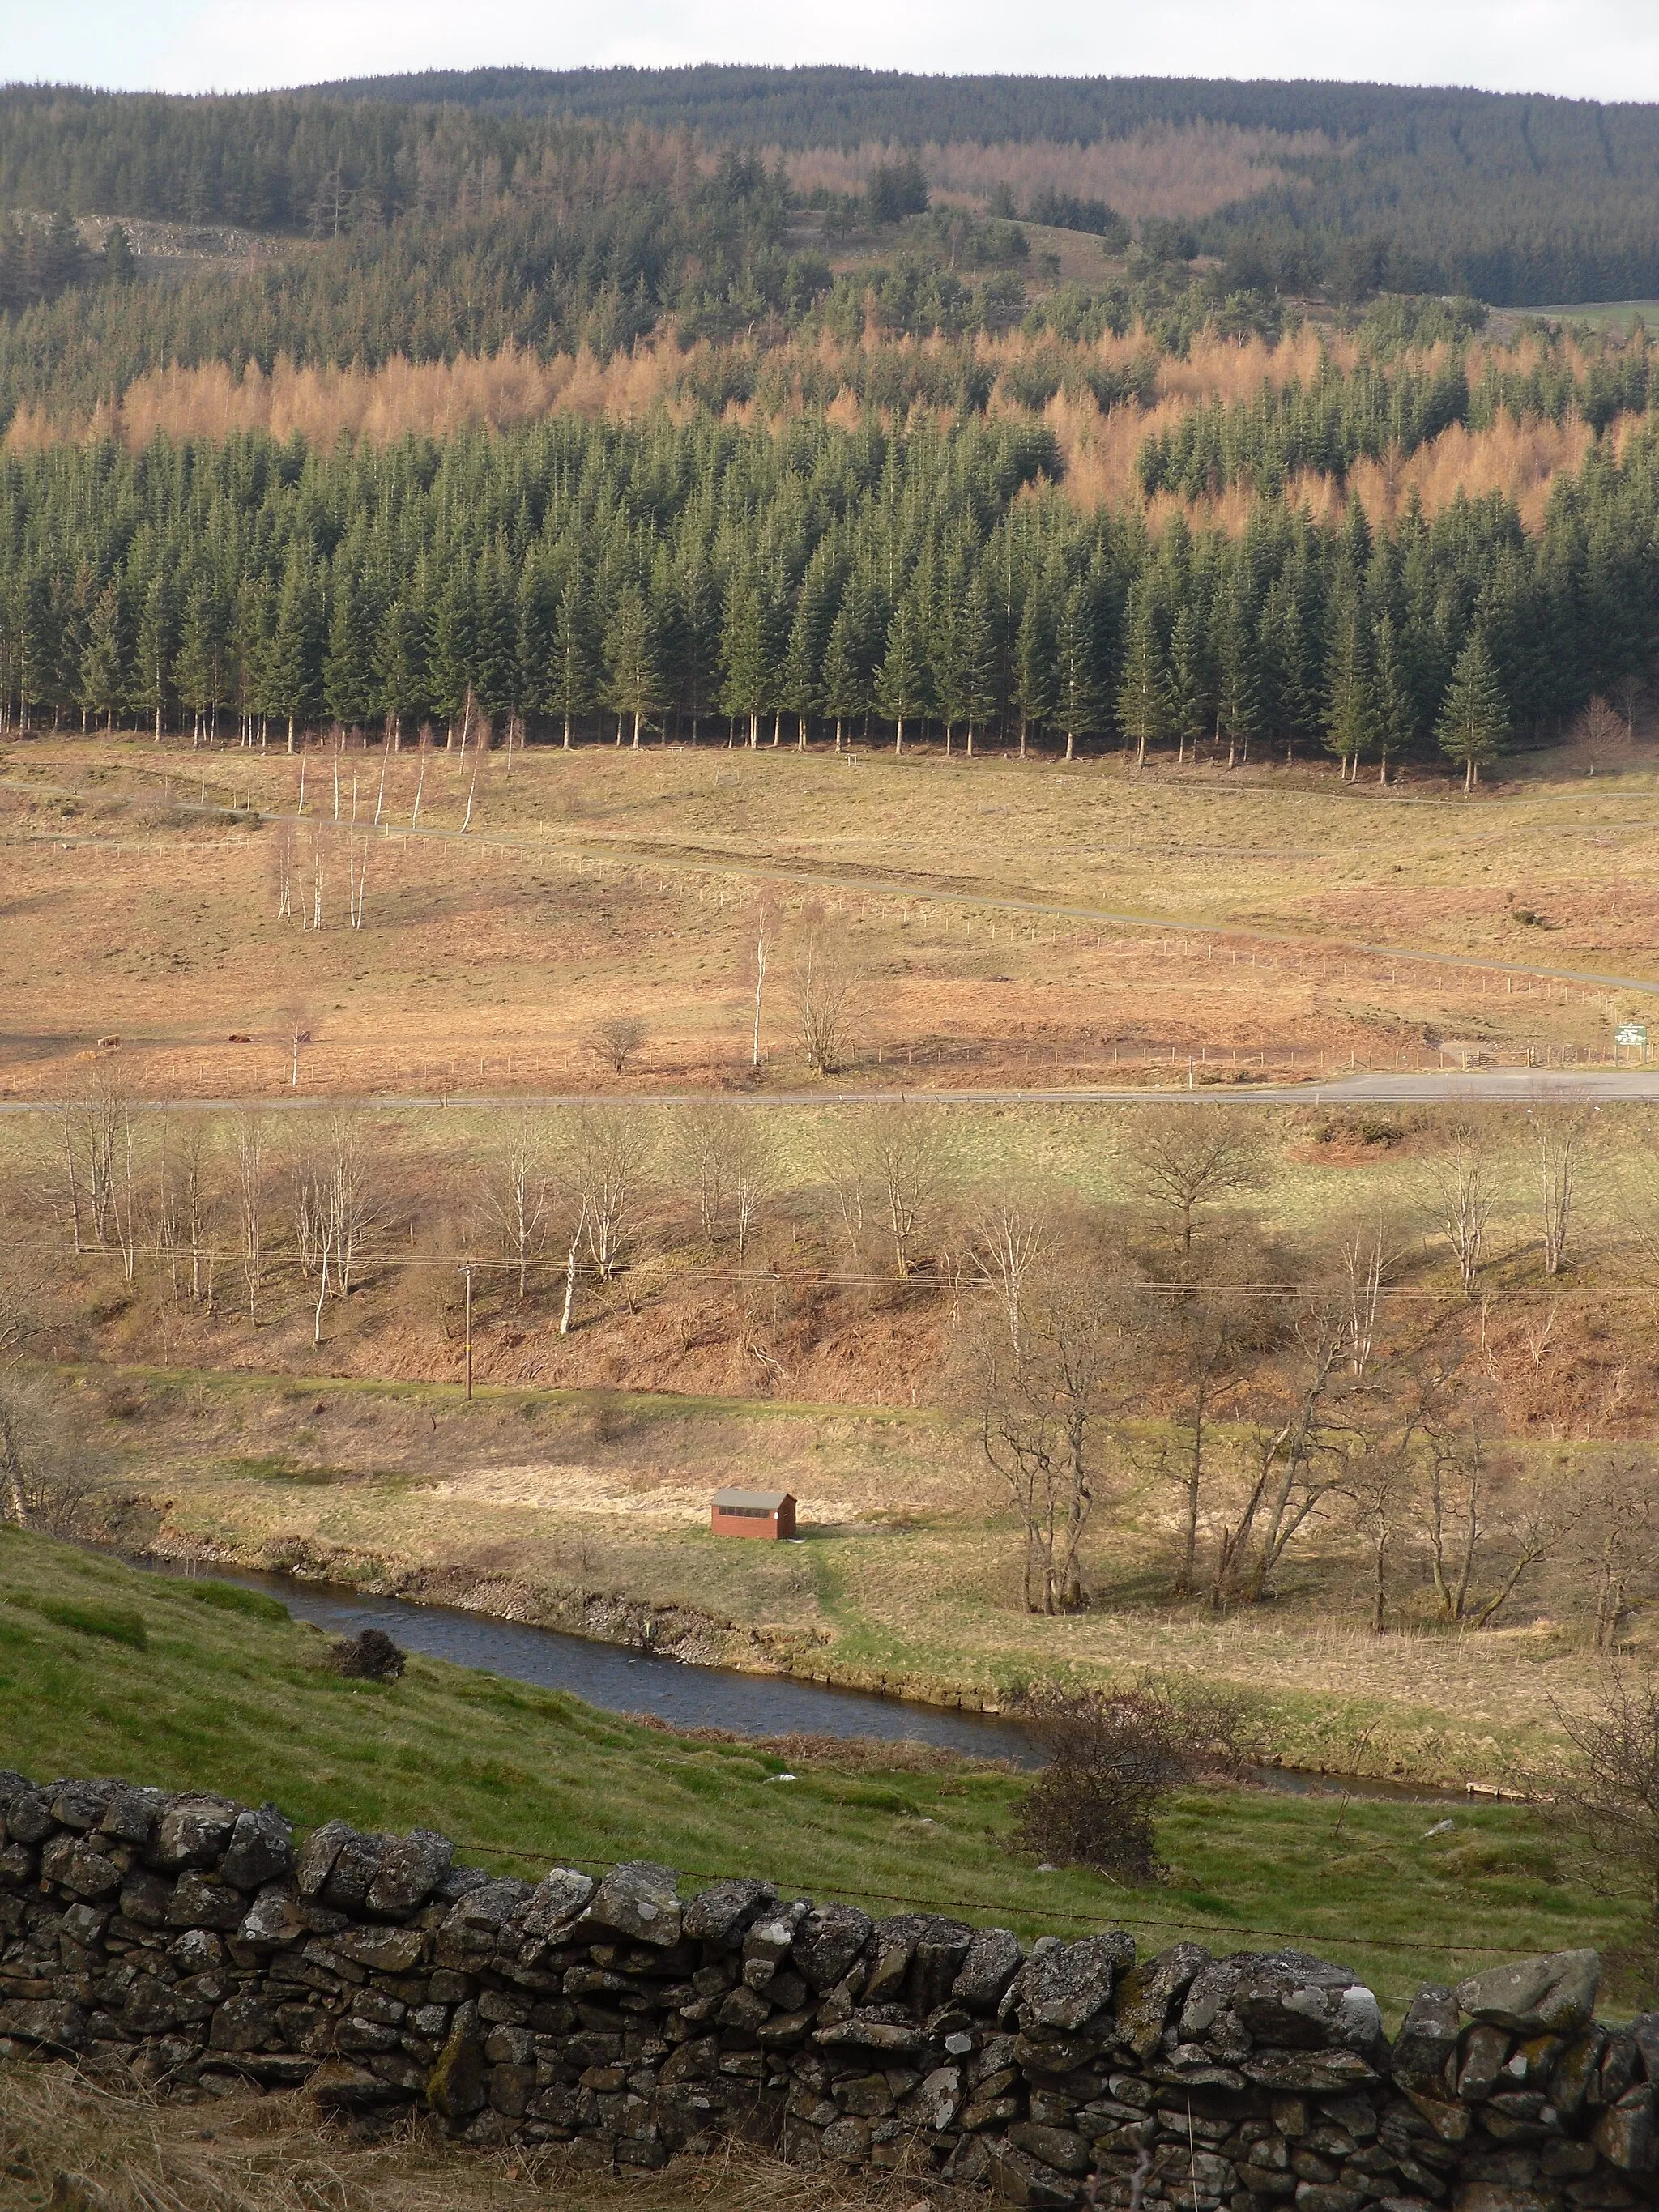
(105, 1669)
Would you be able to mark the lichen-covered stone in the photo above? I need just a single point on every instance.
(459, 2085)
(1551, 1995)
(1148, 1994)
(717, 1915)
(192, 1832)
(827, 1941)
(1065, 1985)
(993, 1958)
(261, 1847)
(1022, 2179)
(641, 1900)
(409, 1872)
(558, 1899)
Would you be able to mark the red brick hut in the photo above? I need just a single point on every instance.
(767, 1513)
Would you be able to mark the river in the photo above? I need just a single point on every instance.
(620, 1680)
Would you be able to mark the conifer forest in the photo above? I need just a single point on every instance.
(546, 404)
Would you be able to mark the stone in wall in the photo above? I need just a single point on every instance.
(184, 1938)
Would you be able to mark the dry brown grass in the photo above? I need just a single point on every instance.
(78, 2145)
(482, 963)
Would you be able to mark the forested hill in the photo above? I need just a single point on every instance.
(1514, 199)
(838, 107)
(1518, 199)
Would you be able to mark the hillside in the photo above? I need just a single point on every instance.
(104, 1670)
(1516, 199)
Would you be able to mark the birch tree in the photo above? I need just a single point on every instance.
(1461, 1185)
(514, 1180)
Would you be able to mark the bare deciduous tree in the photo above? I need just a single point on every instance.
(335, 1207)
(514, 1189)
(1561, 1135)
(766, 934)
(1604, 1793)
(603, 1165)
(1369, 1257)
(1209, 1332)
(614, 1040)
(46, 1481)
(888, 1163)
(1483, 1529)
(1618, 1537)
(1302, 1449)
(295, 1021)
(1006, 1243)
(96, 1146)
(826, 980)
(1186, 1157)
(251, 1177)
(1045, 1411)
(1461, 1187)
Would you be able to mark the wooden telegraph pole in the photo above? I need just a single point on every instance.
(467, 1272)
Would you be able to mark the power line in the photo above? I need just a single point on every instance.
(1451, 1296)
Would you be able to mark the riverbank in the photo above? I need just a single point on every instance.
(106, 1670)
(586, 1514)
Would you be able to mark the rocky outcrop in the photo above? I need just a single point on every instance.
(187, 1939)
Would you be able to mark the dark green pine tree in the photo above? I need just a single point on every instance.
(1034, 662)
(1239, 675)
(1077, 706)
(400, 666)
(1143, 698)
(158, 630)
(846, 679)
(533, 643)
(449, 650)
(1350, 704)
(698, 635)
(902, 689)
(495, 682)
(293, 672)
(632, 682)
(570, 690)
(201, 669)
(103, 658)
(976, 656)
(348, 670)
(744, 669)
(1191, 681)
(1396, 717)
(1473, 722)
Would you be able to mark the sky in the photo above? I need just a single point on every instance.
(1599, 49)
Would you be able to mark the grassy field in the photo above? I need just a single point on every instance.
(106, 1670)
(1602, 314)
(602, 879)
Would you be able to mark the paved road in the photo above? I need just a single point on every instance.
(1506, 1086)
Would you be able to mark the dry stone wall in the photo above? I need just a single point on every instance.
(187, 1938)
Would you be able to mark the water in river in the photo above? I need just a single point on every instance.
(621, 1681)
(626, 1681)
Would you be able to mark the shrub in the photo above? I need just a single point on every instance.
(371, 1657)
(1114, 1757)
(230, 1597)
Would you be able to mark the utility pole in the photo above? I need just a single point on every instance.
(467, 1272)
